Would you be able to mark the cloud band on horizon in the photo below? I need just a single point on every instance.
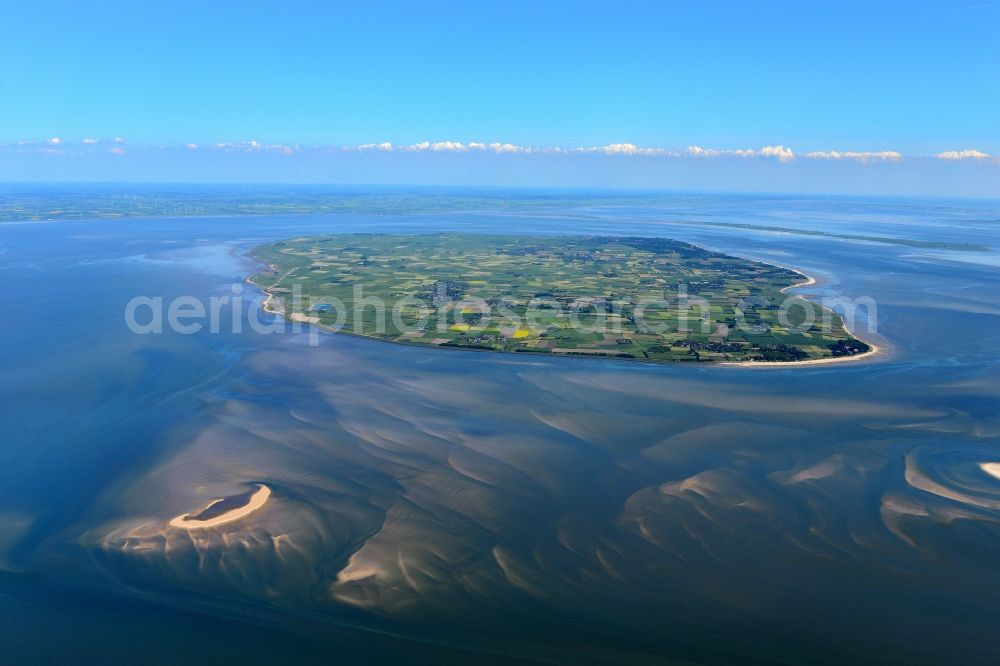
(779, 152)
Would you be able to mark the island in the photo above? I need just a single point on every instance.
(649, 299)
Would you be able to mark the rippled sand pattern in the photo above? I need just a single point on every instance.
(408, 494)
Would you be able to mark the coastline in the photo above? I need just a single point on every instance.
(265, 304)
(809, 280)
(269, 305)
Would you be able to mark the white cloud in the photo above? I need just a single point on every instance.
(698, 151)
(620, 149)
(615, 149)
(498, 147)
(437, 147)
(508, 148)
(626, 149)
(782, 153)
(418, 147)
(860, 156)
(253, 146)
(448, 146)
(777, 152)
(967, 154)
(459, 147)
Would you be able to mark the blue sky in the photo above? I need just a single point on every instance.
(281, 90)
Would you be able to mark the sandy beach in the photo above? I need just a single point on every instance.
(809, 280)
(271, 303)
(875, 349)
(257, 500)
(267, 306)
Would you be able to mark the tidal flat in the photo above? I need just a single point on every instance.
(442, 507)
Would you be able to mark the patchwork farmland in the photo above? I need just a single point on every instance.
(638, 298)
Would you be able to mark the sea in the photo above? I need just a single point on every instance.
(440, 506)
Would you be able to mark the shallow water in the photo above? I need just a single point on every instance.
(442, 505)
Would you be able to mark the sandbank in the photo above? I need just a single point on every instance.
(257, 500)
(991, 468)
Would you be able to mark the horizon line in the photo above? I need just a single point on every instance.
(537, 188)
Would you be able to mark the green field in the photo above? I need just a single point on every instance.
(639, 298)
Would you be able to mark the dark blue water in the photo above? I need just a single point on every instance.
(445, 506)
